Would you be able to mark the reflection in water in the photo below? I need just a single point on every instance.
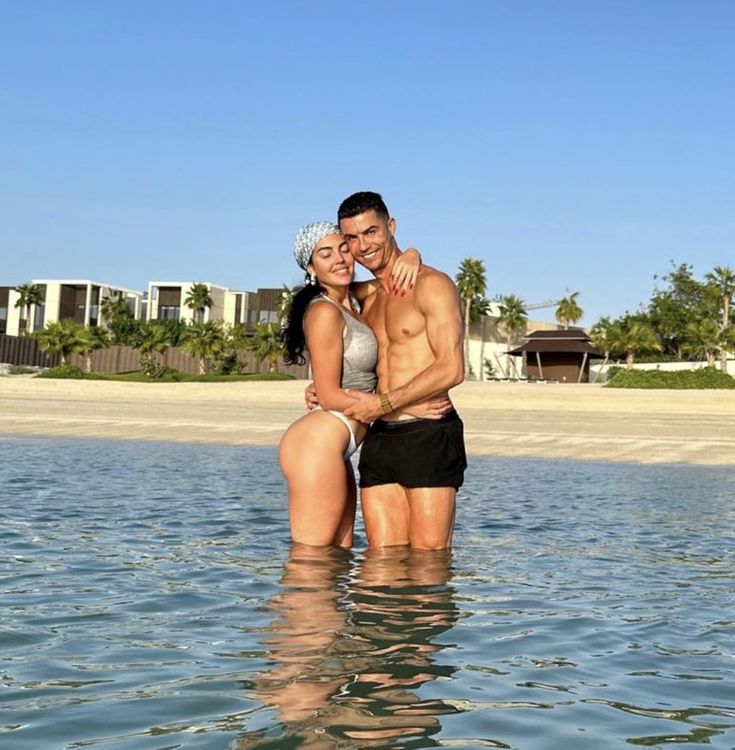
(597, 609)
(352, 640)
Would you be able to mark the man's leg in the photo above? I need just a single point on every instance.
(431, 517)
(386, 513)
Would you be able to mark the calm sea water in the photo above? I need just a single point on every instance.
(150, 599)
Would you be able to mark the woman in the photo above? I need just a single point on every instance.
(325, 320)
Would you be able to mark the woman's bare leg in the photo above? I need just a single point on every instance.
(321, 487)
(346, 528)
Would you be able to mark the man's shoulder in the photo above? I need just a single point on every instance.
(435, 291)
(432, 279)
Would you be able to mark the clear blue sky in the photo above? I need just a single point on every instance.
(569, 145)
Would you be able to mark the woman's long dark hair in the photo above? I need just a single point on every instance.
(292, 335)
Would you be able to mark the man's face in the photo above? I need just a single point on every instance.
(370, 239)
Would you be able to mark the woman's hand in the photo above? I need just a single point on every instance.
(405, 271)
(435, 408)
(310, 397)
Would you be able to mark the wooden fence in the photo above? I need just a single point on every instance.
(18, 350)
(127, 359)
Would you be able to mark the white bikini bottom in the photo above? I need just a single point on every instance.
(352, 445)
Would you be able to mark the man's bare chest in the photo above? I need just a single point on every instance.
(394, 319)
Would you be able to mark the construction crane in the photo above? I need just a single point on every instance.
(534, 306)
(541, 305)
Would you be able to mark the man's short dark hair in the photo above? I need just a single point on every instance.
(359, 203)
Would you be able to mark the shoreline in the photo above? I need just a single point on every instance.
(531, 420)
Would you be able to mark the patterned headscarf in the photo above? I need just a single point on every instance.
(307, 238)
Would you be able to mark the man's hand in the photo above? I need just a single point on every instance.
(366, 407)
(312, 400)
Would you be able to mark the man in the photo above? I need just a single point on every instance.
(410, 469)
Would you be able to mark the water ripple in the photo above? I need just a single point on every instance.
(151, 600)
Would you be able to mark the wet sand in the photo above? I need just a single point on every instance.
(501, 419)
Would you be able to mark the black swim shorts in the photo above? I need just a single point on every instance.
(414, 453)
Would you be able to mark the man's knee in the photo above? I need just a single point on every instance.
(434, 536)
(386, 515)
(432, 517)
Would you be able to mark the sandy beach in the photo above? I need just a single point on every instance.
(501, 419)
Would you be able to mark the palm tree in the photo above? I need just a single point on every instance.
(703, 338)
(238, 336)
(631, 338)
(62, 338)
(479, 311)
(722, 278)
(199, 299)
(472, 284)
(152, 338)
(267, 345)
(284, 308)
(92, 339)
(727, 338)
(603, 338)
(28, 295)
(513, 318)
(568, 311)
(204, 341)
(115, 308)
(118, 318)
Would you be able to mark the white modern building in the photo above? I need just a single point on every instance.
(167, 301)
(63, 299)
(80, 300)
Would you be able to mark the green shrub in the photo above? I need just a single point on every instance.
(706, 377)
(228, 364)
(22, 370)
(267, 376)
(154, 370)
(166, 375)
(613, 372)
(67, 371)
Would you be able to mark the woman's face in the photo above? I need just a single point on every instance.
(331, 262)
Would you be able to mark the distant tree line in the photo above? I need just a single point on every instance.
(686, 317)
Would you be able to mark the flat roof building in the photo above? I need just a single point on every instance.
(77, 300)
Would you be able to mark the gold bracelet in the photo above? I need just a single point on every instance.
(385, 405)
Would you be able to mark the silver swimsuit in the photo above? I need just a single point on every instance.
(359, 357)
